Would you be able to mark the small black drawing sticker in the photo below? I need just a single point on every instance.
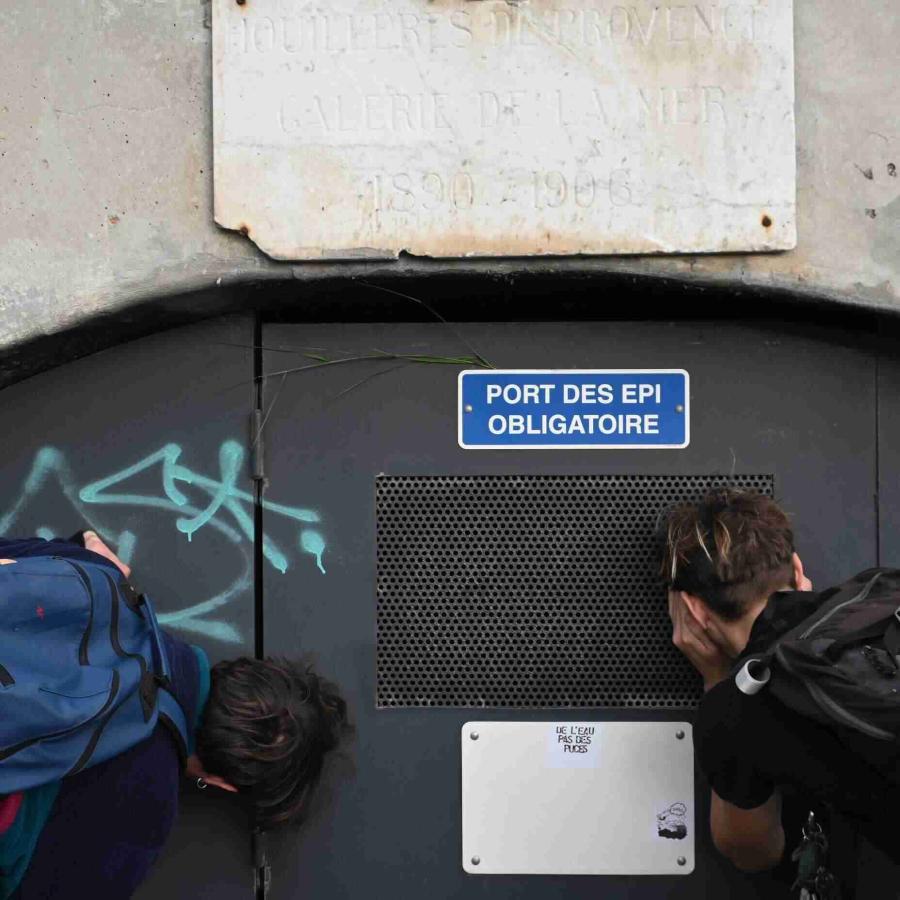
(670, 823)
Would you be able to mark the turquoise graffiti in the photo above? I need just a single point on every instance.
(196, 501)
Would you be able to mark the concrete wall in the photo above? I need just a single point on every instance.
(106, 187)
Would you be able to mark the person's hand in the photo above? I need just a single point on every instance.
(93, 543)
(800, 579)
(702, 646)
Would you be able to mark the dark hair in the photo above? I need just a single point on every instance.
(267, 728)
(731, 549)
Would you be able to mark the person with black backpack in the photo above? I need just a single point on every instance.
(801, 687)
(102, 712)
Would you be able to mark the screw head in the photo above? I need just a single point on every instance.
(679, 408)
(476, 860)
(679, 735)
(474, 736)
(468, 407)
(682, 861)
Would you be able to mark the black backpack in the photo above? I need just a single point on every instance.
(833, 656)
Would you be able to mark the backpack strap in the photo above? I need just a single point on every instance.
(892, 636)
(878, 629)
(172, 716)
(162, 658)
(158, 692)
(889, 634)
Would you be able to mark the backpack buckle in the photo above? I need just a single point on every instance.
(130, 597)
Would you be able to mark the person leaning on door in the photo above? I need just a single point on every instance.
(262, 730)
(735, 584)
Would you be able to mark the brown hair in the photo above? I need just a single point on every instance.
(267, 728)
(731, 549)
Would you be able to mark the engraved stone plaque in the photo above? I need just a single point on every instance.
(358, 128)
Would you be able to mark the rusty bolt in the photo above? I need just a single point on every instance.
(766, 221)
(244, 230)
(240, 2)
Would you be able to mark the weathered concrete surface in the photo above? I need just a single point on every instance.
(106, 188)
(460, 129)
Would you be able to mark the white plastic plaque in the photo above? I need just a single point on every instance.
(364, 128)
(578, 798)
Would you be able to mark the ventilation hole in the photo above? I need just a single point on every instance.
(529, 591)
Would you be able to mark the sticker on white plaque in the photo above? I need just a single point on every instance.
(448, 129)
(624, 805)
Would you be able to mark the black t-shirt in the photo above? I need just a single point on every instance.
(749, 745)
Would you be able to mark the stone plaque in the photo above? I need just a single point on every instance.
(358, 128)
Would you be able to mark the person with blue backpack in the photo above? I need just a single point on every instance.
(102, 713)
(801, 689)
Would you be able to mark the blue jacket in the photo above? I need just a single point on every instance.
(110, 822)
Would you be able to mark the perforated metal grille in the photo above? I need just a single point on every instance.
(536, 591)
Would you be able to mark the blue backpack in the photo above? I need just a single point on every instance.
(84, 674)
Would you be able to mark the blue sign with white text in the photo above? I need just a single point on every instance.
(573, 408)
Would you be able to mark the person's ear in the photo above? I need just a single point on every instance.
(195, 769)
(697, 608)
(218, 782)
(801, 582)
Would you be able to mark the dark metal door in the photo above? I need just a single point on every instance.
(798, 407)
(147, 445)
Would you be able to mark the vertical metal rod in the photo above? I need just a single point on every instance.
(262, 872)
(878, 453)
(258, 484)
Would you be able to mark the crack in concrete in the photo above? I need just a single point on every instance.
(116, 106)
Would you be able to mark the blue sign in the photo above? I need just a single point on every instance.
(542, 409)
